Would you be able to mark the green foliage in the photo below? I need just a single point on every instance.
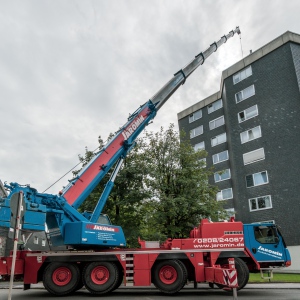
(128, 192)
(178, 181)
(277, 277)
(161, 191)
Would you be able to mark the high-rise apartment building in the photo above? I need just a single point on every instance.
(251, 131)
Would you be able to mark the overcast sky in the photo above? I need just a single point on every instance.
(73, 70)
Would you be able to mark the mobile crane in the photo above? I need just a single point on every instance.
(96, 256)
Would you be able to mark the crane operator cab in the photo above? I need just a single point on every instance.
(265, 242)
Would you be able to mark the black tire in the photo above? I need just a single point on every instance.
(120, 280)
(61, 279)
(100, 277)
(242, 272)
(169, 276)
(80, 285)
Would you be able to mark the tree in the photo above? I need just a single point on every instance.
(124, 202)
(161, 191)
(128, 195)
(178, 180)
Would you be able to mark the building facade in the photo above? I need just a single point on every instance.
(251, 132)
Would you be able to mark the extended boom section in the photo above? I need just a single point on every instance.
(180, 77)
(60, 212)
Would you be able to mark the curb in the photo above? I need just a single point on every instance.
(278, 285)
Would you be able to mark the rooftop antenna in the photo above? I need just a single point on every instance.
(240, 34)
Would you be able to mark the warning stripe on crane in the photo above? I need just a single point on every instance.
(230, 278)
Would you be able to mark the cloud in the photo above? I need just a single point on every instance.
(74, 70)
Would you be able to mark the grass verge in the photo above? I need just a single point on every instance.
(277, 277)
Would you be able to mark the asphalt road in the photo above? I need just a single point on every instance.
(253, 292)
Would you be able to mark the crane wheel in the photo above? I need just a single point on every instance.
(120, 280)
(61, 279)
(242, 272)
(101, 277)
(80, 285)
(169, 276)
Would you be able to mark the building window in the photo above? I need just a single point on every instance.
(262, 222)
(223, 175)
(214, 106)
(199, 146)
(219, 139)
(196, 131)
(219, 157)
(257, 179)
(244, 94)
(230, 212)
(225, 194)
(248, 113)
(216, 123)
(263, 202)
(195, 116)
(242, 75)
(250, 134)
(254, 156)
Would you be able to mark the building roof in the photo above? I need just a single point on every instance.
(252, 57)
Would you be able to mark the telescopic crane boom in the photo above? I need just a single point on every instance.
(59, 212)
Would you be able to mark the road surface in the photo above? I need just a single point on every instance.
(250, 292)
